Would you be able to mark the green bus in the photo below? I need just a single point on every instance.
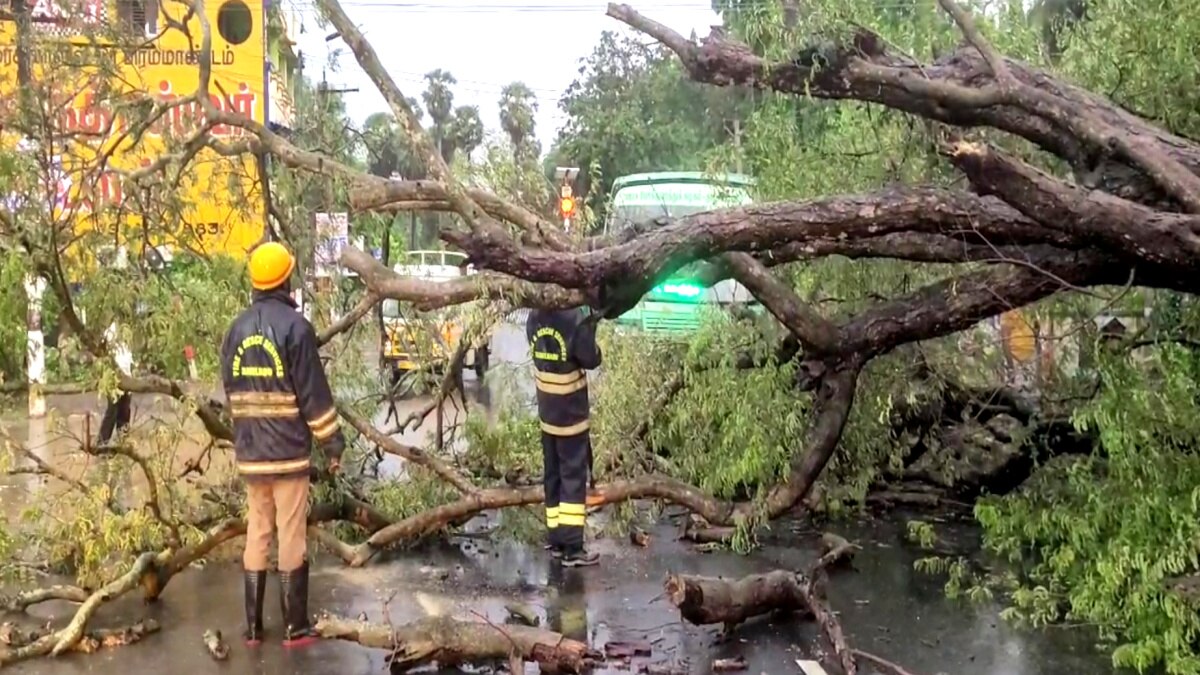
(674, 306)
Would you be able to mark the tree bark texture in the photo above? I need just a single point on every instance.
(450, 642)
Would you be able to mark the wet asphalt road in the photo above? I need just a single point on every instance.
(886, 607)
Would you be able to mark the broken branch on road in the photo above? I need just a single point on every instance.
(445, 641)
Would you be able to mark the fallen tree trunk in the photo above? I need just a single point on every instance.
(450, 642)
(707, 600)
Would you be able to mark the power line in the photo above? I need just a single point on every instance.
(540, 99)
(415, 76)
(600, 9)
(480, 8)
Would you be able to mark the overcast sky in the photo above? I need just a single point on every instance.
(485, 44)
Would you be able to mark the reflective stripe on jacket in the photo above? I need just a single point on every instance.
(278, 394)
(563, 345)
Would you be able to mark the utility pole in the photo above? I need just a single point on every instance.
(21, 10)
(736, 130)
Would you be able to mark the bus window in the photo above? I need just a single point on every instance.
(639, 204)
(624, 217)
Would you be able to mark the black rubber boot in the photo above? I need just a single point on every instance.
(580, 557)
(256, 589)
(293, 598)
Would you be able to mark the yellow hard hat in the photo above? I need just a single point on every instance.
(270, 266)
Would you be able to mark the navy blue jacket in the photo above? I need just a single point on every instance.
(277, 390)
(563, 344)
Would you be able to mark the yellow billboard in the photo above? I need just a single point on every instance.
(1018, 336)
(115, 80)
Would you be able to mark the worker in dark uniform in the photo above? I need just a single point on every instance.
(563, 343)
(280, 401)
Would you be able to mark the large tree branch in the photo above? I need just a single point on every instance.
(1166, 239)
(447, 641)
(427, 195)
(813, 330)
(832, 404)
(962, 301)
(831, 408)
(413, 454)
(1174, 178)
(759, 227)
(425, 294)
(1151, 165)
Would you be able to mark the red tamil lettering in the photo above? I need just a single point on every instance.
(111, 188)
(68, 120)
(106, 191)
(243, 101)
(93, 118)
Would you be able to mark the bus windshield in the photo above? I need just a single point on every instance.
(630, 215)
(636, 204)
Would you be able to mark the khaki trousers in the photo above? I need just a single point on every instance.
(282, 504)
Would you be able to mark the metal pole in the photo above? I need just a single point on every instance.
(441, 428)
(35, 287)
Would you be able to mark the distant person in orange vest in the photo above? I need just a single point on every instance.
(281, 402)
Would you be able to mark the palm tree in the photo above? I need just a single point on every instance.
(517, 107)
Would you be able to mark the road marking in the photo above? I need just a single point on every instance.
(811, 667)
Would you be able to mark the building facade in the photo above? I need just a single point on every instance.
(116, 81)
(283, 64)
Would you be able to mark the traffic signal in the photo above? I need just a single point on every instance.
(566, 202)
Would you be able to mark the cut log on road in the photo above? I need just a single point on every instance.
(709, 600)
(450, 642)
(835, 550)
